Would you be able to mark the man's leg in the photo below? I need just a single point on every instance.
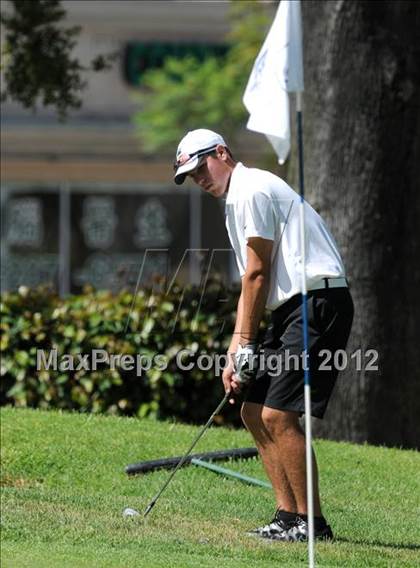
(281, 444)
(267, 448)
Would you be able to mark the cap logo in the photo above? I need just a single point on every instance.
(183, 158)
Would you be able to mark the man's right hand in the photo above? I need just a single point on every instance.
(229, 381)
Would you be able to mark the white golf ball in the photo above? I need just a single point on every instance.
(130, 512)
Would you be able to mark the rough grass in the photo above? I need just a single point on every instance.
(64, 489)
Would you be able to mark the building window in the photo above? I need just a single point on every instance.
(139, 56)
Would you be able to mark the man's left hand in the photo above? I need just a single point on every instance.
(245, 364)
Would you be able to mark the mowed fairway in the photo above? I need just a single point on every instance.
(64, 490)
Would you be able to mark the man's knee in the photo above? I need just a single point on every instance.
(251, 415)
(278, 422)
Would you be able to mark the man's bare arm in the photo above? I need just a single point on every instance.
(238, 327)
(255, 287)
(251, 304)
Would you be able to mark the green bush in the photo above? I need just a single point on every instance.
(151, 323)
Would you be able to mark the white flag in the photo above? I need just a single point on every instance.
(277, 70)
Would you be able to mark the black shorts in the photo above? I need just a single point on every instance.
(279, 382)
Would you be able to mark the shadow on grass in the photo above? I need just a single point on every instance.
(395, 546)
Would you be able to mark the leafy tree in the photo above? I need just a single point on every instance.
(186, 92)
(37, 62)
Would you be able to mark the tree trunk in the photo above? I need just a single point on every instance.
(362, 166)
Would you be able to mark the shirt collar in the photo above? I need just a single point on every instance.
(234, 181)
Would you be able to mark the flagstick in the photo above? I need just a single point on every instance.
(307, 388)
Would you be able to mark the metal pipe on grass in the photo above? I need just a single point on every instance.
(230, 473)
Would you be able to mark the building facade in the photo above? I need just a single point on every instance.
(81, 203)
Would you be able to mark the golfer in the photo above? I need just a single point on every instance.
(262, 221)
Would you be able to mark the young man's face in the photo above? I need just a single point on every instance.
(213, 173)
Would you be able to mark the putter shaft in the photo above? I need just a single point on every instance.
(184, 457)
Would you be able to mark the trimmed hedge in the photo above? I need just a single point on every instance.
(151, 323)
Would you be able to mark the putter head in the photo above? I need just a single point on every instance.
(149, 508)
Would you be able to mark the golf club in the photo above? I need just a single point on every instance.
(182, 460)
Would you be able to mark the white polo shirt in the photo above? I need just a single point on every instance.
(260, 204)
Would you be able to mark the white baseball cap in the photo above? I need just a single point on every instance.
(192, 148)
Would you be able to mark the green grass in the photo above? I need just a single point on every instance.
(64, 489)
